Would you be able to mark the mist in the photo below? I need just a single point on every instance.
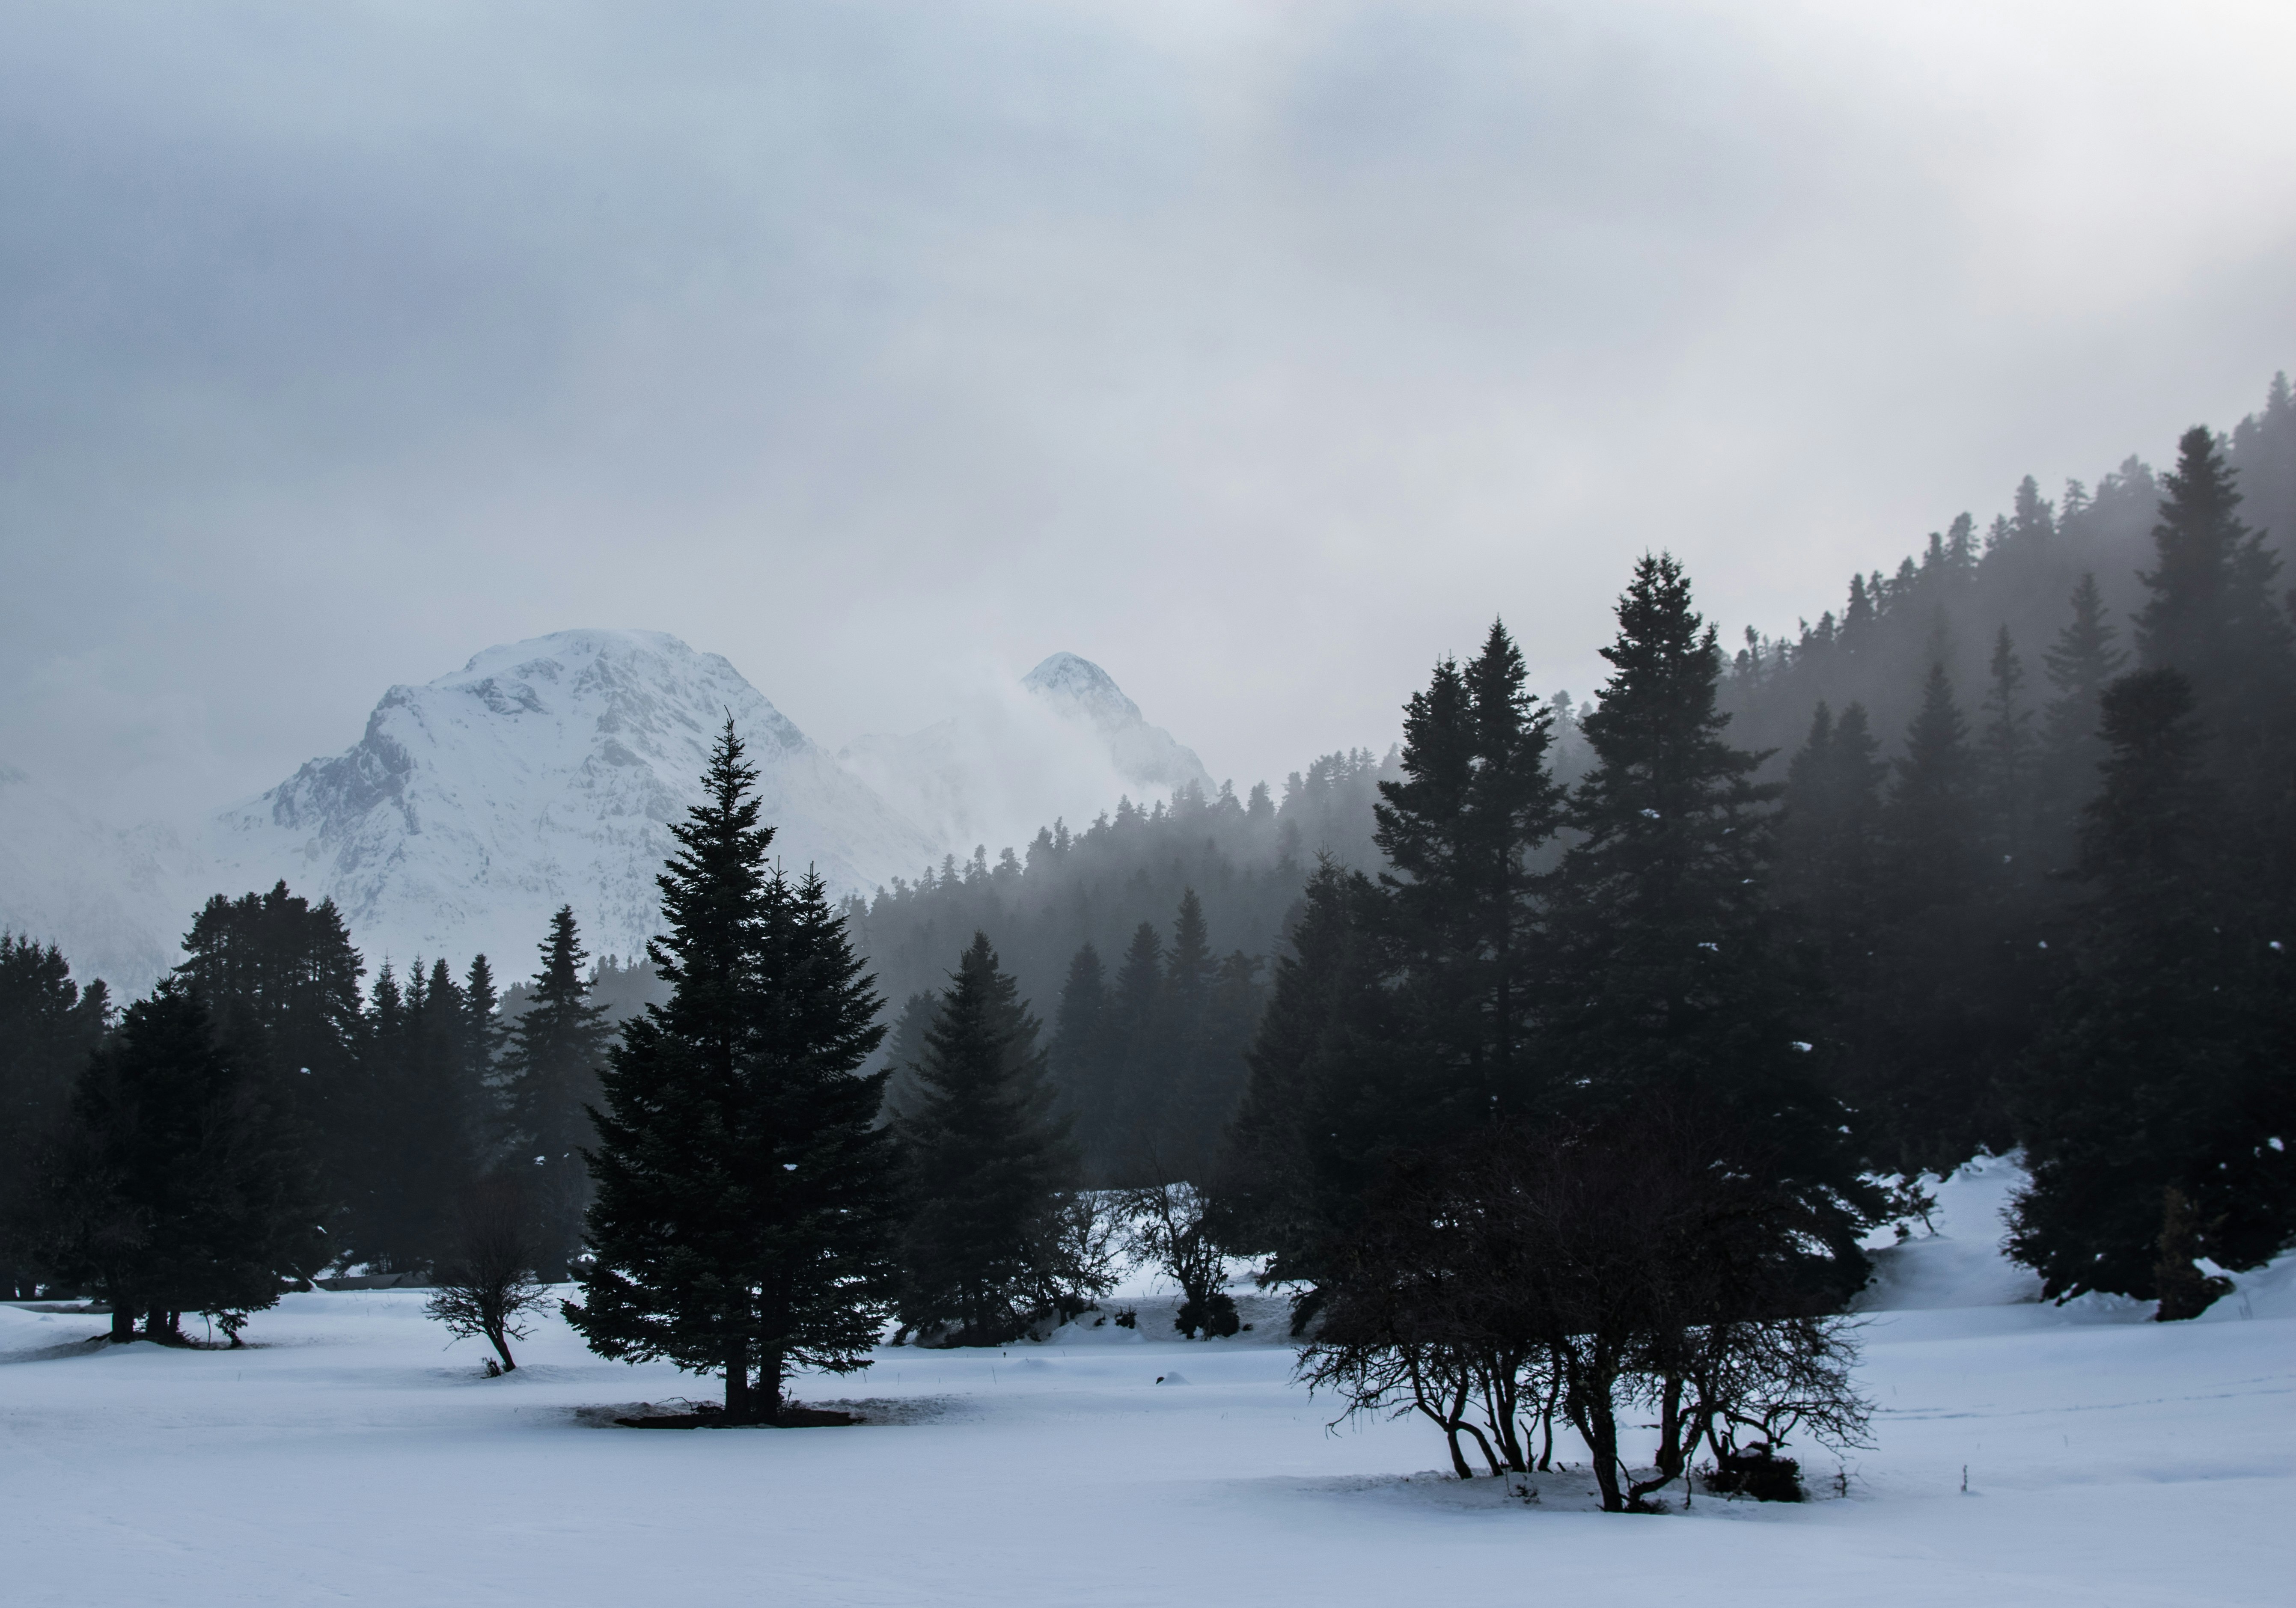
(1259, 353)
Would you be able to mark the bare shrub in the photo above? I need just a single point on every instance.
(486, 1285)
(1583, 1272)
(1173, 1227)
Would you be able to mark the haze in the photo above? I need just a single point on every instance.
(1259, 352)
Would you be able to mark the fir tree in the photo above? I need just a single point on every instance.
(2078, 664)
(746, 1201)
(1671, 981)
(1475, 802)
(48, 1026)
(1079, 1054)
(282, 979)
(2164, 1069)
(1939, 1015)
(1829, 846)
(1932, 822)
(179, 1185)
(2216, 615)
(2005, 758)
(986, 1161)
(1317, 1124)
(557, 1046)
(1139, 1059)
(2212, 612)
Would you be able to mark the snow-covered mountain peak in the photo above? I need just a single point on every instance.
(546, 772)
(1077, 686)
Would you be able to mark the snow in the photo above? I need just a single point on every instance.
(545, 772)
(350, 1456)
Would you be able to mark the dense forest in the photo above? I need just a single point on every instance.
(1559, 1059)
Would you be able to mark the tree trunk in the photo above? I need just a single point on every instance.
(771, 1367)
(737, 1385)
(1596, 1421)
(123, 1320)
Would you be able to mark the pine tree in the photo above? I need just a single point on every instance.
(48, 1026)
(2212, 613)
(1941, 1015)
(282, 979)
(1671, 981)
(1476, 801)
(1080, 1056)
(2079, 665)
(557, 1046)
(178, 1184)
(2005, 759)
(2165, 1066)
(1316, 1123)
(1932, 823)
(746, 1200)
(2216, 615)
(1829, 840)
(986, 1161)
(1140, 1058)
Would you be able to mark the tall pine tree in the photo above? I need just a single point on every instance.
(179, 1184)
(984, 1159)
(2160, 1100)
(557, 1046)
(1475, 803)
(48, 1026)
(746, 1201)
(1672, 983)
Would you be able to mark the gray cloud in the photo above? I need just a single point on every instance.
(1259, 353)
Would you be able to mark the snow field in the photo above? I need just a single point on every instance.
(351, 1456)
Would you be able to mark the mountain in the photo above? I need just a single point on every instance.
(1064, 741)
(543, 772)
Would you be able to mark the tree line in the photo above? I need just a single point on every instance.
(1575, 1105)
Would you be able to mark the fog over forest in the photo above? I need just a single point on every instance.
(1098, 739)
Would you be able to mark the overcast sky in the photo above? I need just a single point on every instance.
(1259, 352)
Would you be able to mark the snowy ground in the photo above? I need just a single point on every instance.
(347, 1458)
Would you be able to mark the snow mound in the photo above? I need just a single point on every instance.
(1962, 1264)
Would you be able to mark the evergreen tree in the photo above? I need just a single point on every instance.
(1315, 1125)
(557, 1046)
(178, 1184)
(282, 979)
(986, 1161)
(1079, 1054)
(2212, 613)
(2079, 665)
(2162, 1086)
(746, 1200)
(2005, 759)
(1670, 980)
(1830, 847)
(1931, 824)
(1940, 1014)
(1139, 1059)
(1475, 802)
(2215, 614)
(48, 1026)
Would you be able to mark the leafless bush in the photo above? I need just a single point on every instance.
(486, 1286)
(1517, 1276)
(1173, 1227)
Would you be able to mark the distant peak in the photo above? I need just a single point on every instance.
(1078, 680)
(586, 643)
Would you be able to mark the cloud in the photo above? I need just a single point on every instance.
(1262, 352)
